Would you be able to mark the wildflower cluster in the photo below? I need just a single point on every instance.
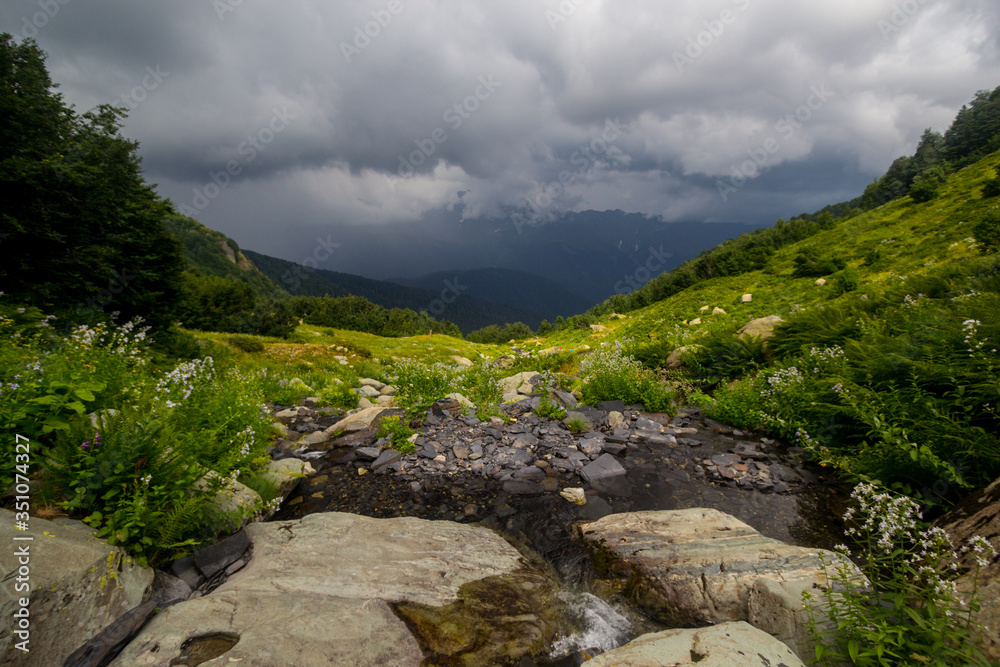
(180, 382)
(969, 328)
(907, 607)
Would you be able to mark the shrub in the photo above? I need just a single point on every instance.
(483, 385)
(927, 185)
(987, 231)
(847, 280)
(418, 385)
(610, 375)
(911, 612)
(723, 355)
(810, 264)
(139, 491)
(246, 344)
(398, 432)
(991, 188)
(577, 424)
(339, 395)
(547, 408)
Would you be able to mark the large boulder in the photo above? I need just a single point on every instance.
(331, 588)
(762, 327)
(359, 420)
(698, 567)
(78, 585)
(723, 645)
(979, 515)
(518, 385)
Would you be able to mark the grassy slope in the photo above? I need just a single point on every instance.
(911, 238)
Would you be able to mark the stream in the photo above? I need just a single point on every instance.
(669, 463)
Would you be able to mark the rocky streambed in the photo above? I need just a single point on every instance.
(508, 541)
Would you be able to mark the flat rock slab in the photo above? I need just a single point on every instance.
(700, 566)
(319, 590)
(79, 585)
(723, 645)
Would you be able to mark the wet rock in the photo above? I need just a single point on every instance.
(722, 645)
(387, 457)
(574, 495)
(372, 453)
(700, 566)
(522, 487)
(605, 467)
(375, 571)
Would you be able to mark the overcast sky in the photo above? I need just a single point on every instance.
(368, 112)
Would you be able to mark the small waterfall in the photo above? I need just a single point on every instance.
(600, 625)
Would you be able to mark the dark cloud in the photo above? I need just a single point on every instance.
(295, 119)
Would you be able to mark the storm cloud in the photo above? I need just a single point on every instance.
(276, 120)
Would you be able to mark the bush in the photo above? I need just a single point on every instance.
(398, 432)
(847, 280)
(339, 395)
(991, 188)
(418, 385)
(132, 485)
(548, 409)
(987, 231)
(246, 344)
(483, 385)
(609, 374)
(927, 185)
(911, 613)
(810, 264)
(723, 355)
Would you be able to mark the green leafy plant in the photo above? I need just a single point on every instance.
(577, 424)
(550, 410)
(398, 432)
(418, 384)
(139, 492)
(247, 344)
(610, 374)
(907, 608)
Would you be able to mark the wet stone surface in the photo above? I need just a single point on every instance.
(509, 476)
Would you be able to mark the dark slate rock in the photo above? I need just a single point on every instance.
(604, 467)
(216, 558)
(644, 424)
(185, 569)
(530, 473)
(591, 447)
(370, 453)
(615, 448)
(385, 458)
(524, 441)
(611, 406)
(662, 440)
(523, 487)
(564, 398)
(595, 509)
(461, 452)
(103, 648)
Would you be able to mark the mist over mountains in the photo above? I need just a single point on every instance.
(591, 254)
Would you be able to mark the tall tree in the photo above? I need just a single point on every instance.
(80, 229)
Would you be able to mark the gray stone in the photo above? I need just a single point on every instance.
(530, 473)
(700, 566)
(722, 645)
(79, 585)
(372, 453)
(368, 392)
(523, 487)
(336, 614)
(387, 457)
(524, 441)
(611, 406)
(616, 420)
(762, 327)
(369, 382)
(604, 467)
(360, 420)
(644, 424)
